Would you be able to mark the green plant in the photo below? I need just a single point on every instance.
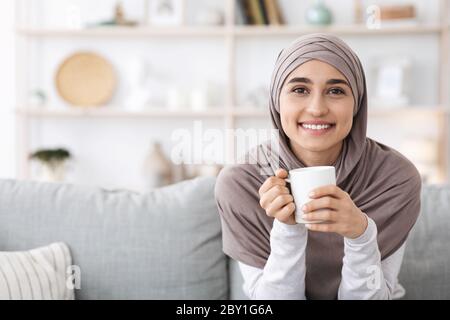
(51, 156)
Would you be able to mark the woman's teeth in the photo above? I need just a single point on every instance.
(316, 127)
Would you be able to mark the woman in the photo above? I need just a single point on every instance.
(318, 102)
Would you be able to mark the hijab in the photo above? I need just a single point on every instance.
(382, 183)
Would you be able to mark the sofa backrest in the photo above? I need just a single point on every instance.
(425, 272)
(164, 244)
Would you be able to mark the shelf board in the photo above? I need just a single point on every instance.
(336, 29)
(108, 112)
(238, 30)
(124, 31)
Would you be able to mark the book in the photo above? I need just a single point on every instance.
(244, 9)
(263, 10)
(256, 12)
(272, 12)
(275, 14)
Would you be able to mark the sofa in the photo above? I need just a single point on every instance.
(166, 243)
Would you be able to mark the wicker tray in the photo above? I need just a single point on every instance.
(85, 79)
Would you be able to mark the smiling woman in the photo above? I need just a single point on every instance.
(316, 112)
(318, 104)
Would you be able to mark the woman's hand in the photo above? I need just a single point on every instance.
(341, 215)
(276, 199)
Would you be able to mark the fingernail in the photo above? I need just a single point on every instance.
(312, 193)
(304, 208)
(304, 216)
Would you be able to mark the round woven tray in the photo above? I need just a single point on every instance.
(85, 79)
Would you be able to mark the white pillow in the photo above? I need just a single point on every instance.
(37, 274)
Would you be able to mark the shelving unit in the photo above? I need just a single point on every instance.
(230, 112)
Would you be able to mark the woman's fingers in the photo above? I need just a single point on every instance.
(269, 183)
(326, 202)
(286, 214)
(270, 195)
(278, 203)
(322, 215)
(276, 199)
(331, 190)
(281, 173)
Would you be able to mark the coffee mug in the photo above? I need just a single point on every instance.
(303, 181)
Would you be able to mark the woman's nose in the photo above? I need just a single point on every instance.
(317, 106)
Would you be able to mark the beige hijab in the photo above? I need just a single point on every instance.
(381, 182)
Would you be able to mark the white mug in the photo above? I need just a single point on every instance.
(303, 181)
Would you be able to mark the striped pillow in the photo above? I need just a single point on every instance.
(37, 274)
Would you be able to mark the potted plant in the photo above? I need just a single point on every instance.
(53, 163)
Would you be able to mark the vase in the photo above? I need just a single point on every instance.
(52, 172)
(319, 14)
(157, 169)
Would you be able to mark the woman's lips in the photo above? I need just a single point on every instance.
(315, 132)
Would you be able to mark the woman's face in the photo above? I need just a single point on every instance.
(316, 92)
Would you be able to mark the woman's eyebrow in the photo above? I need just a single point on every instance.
(338, 81)
(307, 80)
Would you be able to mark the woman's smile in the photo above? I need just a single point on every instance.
(316, 129)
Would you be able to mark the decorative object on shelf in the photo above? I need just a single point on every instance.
(73, 17)
(378, 16)
(199, 99)
(391, 82)
(373, 20)
(200, 96)
(165, 12)
(118, 19)
(210, 17)
(260, 12)
(85, 79)
(38, 98)
(53, 163)
(138, 81)
(175, 98)
(358, 11)
(319, 14)
(157, 168)
(395, 12)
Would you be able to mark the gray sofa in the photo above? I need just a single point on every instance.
(166, 244)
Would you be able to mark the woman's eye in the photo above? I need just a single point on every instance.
(336, 91)
(300, 90)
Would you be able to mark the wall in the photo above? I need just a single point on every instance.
(7, 88)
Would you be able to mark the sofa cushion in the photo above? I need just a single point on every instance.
(165, 244)
(37, 274)
(425, 272)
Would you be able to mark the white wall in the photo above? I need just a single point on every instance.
(7, 87)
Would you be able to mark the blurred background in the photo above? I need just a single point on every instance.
(142, 93)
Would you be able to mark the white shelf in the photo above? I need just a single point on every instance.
(108, 112)
(238, 31)
(336, 29)
(124, 32)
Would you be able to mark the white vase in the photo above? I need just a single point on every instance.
(157, 168)
(52, 172)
